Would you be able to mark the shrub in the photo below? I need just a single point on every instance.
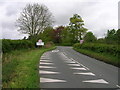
(9, 45)
(49, 44)
(100, 48)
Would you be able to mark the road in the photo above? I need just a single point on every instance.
(66, 68)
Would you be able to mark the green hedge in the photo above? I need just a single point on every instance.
(9, 45)
(100, 48)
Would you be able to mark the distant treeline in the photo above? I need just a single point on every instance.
(62, 36)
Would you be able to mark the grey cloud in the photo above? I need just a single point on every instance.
(96, 15)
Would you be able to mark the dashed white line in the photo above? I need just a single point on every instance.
(44, 80)
(80, 64)
(70, 62)
(46, 67)
(46, 63)
(97, 81)
(74, 64)
(79, 68)
(48, 72)
(88, 73)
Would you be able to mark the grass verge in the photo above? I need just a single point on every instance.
(101, 56)
(20, 68)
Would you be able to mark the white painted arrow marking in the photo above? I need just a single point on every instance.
(89, 73)
(44, 80)
(97, 81)
(79, 68)
(46, 67)
(55, 50)
(48, 72)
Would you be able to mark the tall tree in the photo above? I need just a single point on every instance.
(89, 37)
(34, 19)
(76, 27)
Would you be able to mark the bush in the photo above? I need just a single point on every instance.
(49, 44)
(100, 48)
(9, 45)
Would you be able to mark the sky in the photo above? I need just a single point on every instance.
(98, 15)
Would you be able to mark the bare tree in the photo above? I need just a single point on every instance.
(34, 19)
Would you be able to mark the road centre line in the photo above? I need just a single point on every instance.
(76, 61)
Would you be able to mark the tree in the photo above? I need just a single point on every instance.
(66, 36)
(34, 19)
(47, 34)
(89, 37)
(111, 36)
(118, 36)
(76, 27)
(57, 34)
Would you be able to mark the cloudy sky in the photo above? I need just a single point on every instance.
(98, 15)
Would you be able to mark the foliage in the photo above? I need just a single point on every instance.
(89, 37)
(66, 39)
(34, 19)
(100, 48)
(100, 56)
(57, 34)
(105, 52)
(47, 35)
(10, 45)
(76, 27)
(113, 36)
(20, 68)
(49, 44)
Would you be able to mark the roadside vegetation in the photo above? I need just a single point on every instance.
(20, 68)
(103, 52)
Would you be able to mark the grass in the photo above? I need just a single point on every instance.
(20, 68)
(114, 60)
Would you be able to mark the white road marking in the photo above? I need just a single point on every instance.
(97, 81)
(88, 73)
(69, 62)
(79, 68)
(44, 80)
(46, 63)
(74, 64)
(80, 64)
(48, 72)
(46, 67)
(118, 86)
(64, 53)
(55, 50)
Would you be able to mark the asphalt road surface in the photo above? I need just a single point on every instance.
(66, 68)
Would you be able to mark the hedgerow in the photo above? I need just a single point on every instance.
(9, 45)
(100, 48)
